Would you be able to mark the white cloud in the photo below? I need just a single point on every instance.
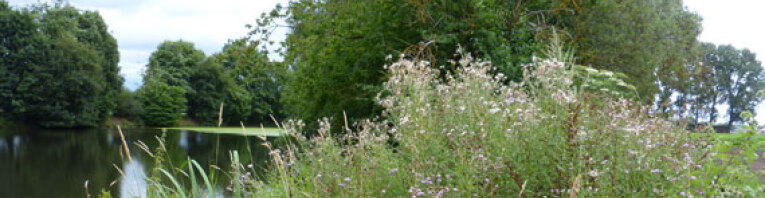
(140, 25)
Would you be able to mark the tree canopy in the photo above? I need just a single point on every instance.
(337, 48)
(59, 66)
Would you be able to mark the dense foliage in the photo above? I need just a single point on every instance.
(651, 41)
(214, 88)
(163, 104)
(240, 80)
(173, 63)
(58, 65)
(342, 44)
(127, 105)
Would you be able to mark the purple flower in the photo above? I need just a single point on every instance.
(383, 191)
(655, 171)
(347, 179)
(393, 171)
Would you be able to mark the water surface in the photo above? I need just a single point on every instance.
(57, 163)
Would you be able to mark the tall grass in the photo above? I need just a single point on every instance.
(466, 133)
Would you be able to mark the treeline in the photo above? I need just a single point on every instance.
(338, 48)
(180, 80)
(58, 66)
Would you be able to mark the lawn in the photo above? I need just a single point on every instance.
(271, 132)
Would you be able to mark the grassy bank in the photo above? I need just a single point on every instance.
(271, 132)
(468, 134)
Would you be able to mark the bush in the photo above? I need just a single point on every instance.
(163, 105)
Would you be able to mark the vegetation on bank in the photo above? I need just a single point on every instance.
(266, 132)
(467, 133)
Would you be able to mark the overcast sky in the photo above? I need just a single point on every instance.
(140, 25)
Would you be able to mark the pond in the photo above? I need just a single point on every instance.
(57, 163)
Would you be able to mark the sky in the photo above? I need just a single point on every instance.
(140, 25)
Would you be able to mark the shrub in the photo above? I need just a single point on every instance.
(163, 105)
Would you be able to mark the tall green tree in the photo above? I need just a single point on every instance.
(176, 60)
(337, 49)
(21, 51)
(213, 87)
(651, 41)
(249, 67)
(60, 74)
(739, 76)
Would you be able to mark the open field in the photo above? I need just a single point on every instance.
(735, 138)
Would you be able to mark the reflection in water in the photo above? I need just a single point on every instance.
(57, 163)
(3, 145)
(184, 140)
(133, 183)
(16, 144)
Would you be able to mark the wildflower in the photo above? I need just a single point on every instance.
(655, 171)
(393, 171)
(494, 110)
(593, 173)
(383, 191)
(347, 179)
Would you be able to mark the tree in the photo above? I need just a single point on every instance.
(177, 60)
(163, 104)
(21, 50)
(213, 87)
(738, 78)
(60, 64)
(337, 48)
(251, 69)
(651, 41)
